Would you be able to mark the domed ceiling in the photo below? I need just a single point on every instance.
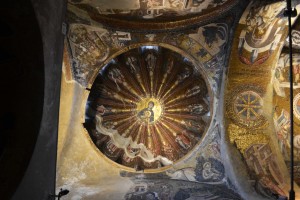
(180, 90)
(152, 108)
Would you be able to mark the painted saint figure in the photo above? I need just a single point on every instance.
(147, 114)
(296, 71)
(209, 172)
(183, 141)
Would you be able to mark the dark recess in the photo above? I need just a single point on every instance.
(22, 91)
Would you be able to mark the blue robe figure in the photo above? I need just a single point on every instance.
(147, 113)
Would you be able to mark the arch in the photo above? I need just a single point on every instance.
(249, 107)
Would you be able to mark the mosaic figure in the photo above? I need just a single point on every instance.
(282, 127)
(87, 49)
(147, 114)
(183, 141)
(262, 162)
(153, 124)
(262, 33)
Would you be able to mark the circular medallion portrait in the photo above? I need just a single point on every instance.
(148, 108)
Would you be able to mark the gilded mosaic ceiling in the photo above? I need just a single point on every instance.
(149, 9)
(149, 14)
(281, 116)
(263, 31)
(152, 108)
(256, 115)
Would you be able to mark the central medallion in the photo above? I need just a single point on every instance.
(148, 108)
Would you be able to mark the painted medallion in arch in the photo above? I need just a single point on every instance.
(246, 107)
(148, 108)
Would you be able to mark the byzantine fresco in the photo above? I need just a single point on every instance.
(204, 179)
(86, 48)
(145, 109)
(152, 108)
(281, 116)
(205, 44)
(206, 166)
(154, 189)
(246, 109)
(264, 167)
(257, 111)
(295, 36)
(149, 102)
(263, 28)
(149, 9)
(246, 132)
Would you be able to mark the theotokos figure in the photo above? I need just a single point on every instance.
(147, 114)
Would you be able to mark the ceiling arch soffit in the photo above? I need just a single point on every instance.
(260, 36)
(151, 14)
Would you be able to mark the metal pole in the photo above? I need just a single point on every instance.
(289, 13)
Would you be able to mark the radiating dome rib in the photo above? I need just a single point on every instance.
(143, 134)
(120, 89)
(124, 124)
(183, 116)
(169, 75)
(113, 102)
(178, 89)
(128, 132)
(172, 126)
(169, 137)
(135, 132)
(114, 117)
(158, 73)
(154, 141)
(150, 108)
(194, 130)
(182, 100)
(133, 82)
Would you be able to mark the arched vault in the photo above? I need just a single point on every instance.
(256, 97)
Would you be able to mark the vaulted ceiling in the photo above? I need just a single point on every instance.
(166, 91)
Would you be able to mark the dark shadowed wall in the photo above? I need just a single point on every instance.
(39, 179)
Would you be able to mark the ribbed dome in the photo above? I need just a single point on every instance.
(152, 108)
